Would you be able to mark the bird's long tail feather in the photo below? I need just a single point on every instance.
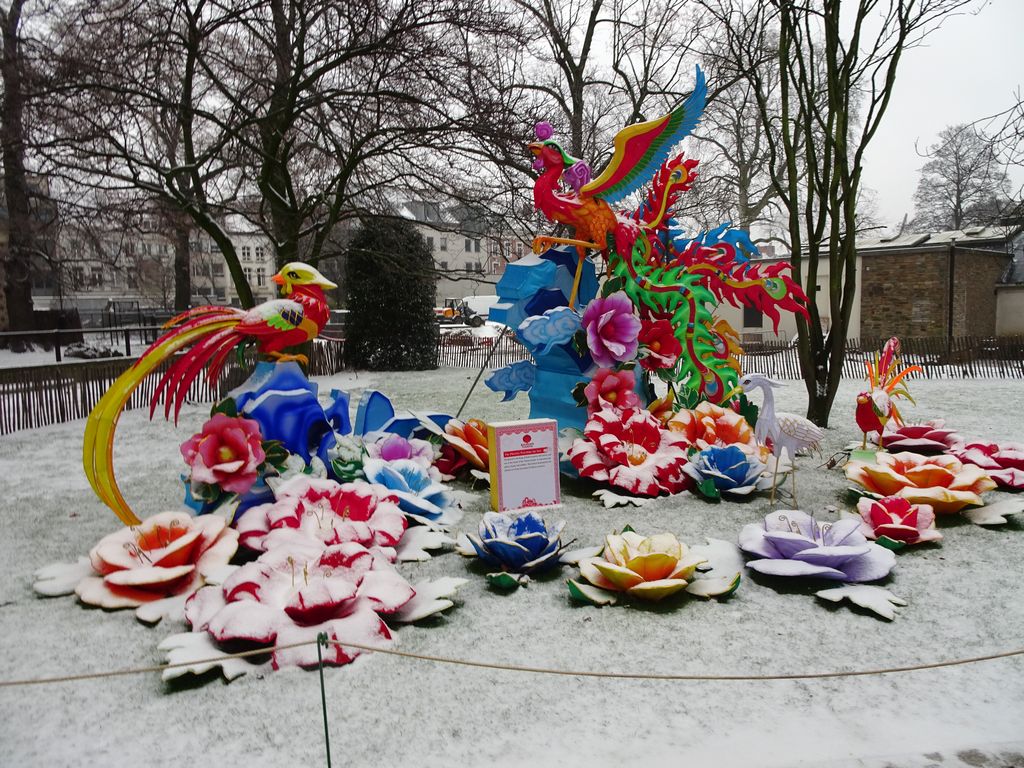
(98, 444)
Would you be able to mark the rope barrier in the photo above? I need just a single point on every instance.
(532, 670)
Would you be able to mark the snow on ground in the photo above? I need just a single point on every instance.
(966, 599)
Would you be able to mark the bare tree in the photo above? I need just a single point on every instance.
(17, 71)
(837, 66)
(962, 183)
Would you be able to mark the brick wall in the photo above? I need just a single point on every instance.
(976, 273)
(904, 294)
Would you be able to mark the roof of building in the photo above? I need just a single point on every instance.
(972, 237)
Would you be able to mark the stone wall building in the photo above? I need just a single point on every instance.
(957, 283)
(942, 284)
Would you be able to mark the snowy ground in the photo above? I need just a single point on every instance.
(966, 599)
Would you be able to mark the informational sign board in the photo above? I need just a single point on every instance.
(524, 464)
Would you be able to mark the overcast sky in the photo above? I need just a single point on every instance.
(970, 68)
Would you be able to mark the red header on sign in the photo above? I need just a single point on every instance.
(525, 452)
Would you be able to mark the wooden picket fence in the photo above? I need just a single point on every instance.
(41, 395)
(962, 357)
(462, 350)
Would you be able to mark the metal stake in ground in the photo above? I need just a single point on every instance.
(482, 368)
(322, 642)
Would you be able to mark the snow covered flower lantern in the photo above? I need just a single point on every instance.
(939, 481)
(631, 450)
(649, 568)
(226, 453)
(517, 545)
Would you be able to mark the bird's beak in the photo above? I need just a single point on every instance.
(732, 393)
(278, 279)
(535, 147)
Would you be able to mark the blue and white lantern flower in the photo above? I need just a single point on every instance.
(729, 470)
(520, 544)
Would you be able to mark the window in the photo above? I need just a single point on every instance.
(752, 318)
(469, 266)
(261, 275)
(218, 270)
(248, 274)
(478, 267)
(443, 265)
(444, 243)
(430, 242)
(476, 246)
(261, 253)
(246, 253)
(469, 245)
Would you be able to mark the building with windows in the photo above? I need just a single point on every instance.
(469, 260)
(93, 270)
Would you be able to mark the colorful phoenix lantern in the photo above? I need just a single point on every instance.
(666, 275)
(656, 308)
(208, 335)
(877, 405)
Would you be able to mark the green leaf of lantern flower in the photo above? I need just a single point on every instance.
(709, 490)
(227, 406)
(506, 581)
(275, 452)
(579, 342)
(614, 285)
(585, 593)
(579, 395)
(628, 529)
(748, 410)
(892, 544)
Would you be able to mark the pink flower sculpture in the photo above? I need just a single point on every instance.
(660, 344)
(1003, 462)
(322, 512)
(710, 425)
(612, 329)
(631, 450)
(927, 437)
(611, 389)
(392, 447)
(226, 453)
(895, 522)
(450, 462)
(940, 481)
(165, 556)
(278, 600)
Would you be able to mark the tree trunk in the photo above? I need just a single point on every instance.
(182, 265)
(21, 235)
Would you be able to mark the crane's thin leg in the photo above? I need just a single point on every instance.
(775, 474)
(795, 506)
(864, 442)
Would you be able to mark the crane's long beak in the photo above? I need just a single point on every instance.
(732, 393)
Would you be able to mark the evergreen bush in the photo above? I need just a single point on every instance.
(390, 284)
